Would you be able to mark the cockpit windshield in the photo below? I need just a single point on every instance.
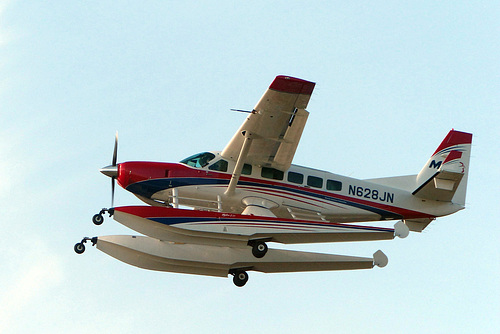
(199, 160)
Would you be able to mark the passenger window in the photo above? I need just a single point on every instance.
(220, 166)
(271, 173)
(295, 177)
(247, 169)
(333, 185)
(314, 181)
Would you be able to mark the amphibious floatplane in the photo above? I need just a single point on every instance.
(250, 194)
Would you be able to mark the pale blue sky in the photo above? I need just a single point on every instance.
(392, 79)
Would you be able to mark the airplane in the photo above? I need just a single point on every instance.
(214, 213)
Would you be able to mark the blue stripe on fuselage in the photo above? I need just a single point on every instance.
(149, 187)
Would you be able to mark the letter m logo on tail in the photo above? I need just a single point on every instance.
(444, 176)
(435, 165)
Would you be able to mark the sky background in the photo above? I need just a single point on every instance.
(392, 79)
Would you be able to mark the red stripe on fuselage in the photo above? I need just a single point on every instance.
(132, 172)
(393, 209)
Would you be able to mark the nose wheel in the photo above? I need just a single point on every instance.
(80, 247)
(98, 218)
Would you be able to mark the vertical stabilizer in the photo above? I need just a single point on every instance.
(444, 176)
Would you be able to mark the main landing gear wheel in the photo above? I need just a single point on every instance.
(240, 278)
(80, 247)
(259, 249)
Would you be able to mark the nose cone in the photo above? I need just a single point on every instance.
(111, 171)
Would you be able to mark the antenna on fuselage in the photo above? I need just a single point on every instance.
(245, 111)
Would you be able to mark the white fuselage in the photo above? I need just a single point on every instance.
(302, 193)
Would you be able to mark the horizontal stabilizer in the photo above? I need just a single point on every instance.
(440, 187)
(418, 224)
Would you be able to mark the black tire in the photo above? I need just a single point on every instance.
(79, 248)
(240, 278)
(259, 249)
(98, 219)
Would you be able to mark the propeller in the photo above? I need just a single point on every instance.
(112, 170)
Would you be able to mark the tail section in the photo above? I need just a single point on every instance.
(444, 176)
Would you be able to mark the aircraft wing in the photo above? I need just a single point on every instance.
(275, 124)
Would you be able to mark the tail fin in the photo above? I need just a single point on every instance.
(444, 176)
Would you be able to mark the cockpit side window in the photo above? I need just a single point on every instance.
(199, 160)
(220, 166)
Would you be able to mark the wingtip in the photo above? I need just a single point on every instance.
(292, 85)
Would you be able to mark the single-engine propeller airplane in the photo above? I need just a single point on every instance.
(249, 194)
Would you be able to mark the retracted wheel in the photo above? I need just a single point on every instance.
(259, 249)
(98, 219)
(240, 278)
(79, 248)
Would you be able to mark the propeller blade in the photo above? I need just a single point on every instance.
(113, 163)
(115, 151)
(113, 191)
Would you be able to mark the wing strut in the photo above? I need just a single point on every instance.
(239, 163)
